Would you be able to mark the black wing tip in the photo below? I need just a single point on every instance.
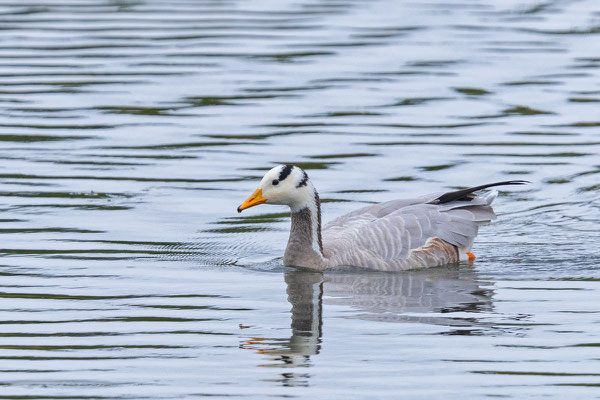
(517, 182)
(465, 193)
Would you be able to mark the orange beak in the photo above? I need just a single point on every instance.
(255, 199)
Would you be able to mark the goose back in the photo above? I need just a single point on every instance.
(407, 234)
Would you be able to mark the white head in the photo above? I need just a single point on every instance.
(285, 184)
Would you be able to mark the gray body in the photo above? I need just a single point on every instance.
(391, 236)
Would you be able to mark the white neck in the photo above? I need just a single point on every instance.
(315, 213)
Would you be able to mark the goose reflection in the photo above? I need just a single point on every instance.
(433, 296)
(450, 297)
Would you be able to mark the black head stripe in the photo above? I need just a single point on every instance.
(304, 180)
(285, 172)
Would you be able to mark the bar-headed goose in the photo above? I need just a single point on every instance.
(426, 231)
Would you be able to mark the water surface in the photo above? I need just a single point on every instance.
(131, 130)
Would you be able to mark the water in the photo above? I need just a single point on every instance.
(131, 130)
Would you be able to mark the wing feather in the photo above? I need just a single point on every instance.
(397, 233)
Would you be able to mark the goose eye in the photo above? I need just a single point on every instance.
(275, 182)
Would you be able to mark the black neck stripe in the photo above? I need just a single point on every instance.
(319, 237)
(285, 172)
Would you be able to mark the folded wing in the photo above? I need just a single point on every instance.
(431, 230)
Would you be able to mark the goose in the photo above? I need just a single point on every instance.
(427, 231)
